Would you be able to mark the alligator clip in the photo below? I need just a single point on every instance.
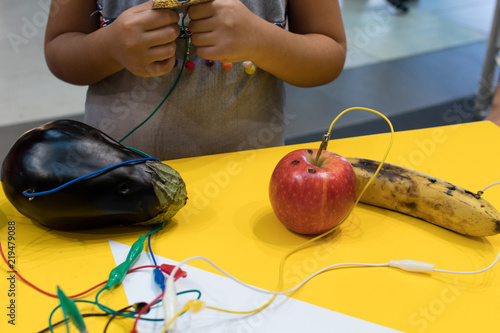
(323, 145)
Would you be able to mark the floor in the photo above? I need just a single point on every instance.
(420, 69)
(417, 68)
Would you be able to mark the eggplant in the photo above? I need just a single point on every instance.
(48, 157)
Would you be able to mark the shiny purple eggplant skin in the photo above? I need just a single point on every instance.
(50, 155)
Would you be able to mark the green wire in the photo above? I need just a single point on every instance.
(71, 311)
(160, 226)
(139, 151)
(66, 319)
(190, 291)
(103, 307)
(114, 312)
(171, 89)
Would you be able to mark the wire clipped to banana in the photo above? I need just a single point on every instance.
(428, 198)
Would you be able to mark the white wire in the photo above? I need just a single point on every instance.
(471, 272)
(265, 291)
(487, 187)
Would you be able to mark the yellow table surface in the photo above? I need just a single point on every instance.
(229, 219)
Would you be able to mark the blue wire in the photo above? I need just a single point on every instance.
(158, 276)
(36, 194)
(153, 230)
(151, 250)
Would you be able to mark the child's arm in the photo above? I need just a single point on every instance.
(311, 53)
(79, 52)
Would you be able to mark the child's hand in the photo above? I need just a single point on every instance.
(224, 30)
(143, 40)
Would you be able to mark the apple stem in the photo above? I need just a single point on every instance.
(322, 146)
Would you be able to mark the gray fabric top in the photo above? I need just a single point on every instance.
(209, 111)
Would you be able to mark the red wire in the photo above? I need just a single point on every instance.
(54, 295)
(139, 314)
(23, 279)
(144, 309)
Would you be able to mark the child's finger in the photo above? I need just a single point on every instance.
(148, 5)
(201, 11)
(154, 18)
(161, 52)
(161, 35)
(160, 67)
(157, 18)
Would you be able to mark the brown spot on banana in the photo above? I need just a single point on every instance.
(425, 197)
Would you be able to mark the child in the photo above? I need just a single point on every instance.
(230, 94)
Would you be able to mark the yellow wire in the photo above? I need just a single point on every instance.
(167, 325)
(194, 305)
(282, 262)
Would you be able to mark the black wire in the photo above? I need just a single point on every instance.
(136, 306)
(88, 315)
(83, 315)
(136, 309)
(113, 316)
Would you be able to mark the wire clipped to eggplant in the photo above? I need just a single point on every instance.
(68, 175)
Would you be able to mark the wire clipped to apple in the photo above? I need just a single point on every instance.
(312, 190)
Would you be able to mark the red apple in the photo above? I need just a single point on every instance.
(311, 195)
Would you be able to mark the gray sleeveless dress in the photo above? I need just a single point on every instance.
(210, 111)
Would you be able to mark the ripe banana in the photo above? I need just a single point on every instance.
(425, 197)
